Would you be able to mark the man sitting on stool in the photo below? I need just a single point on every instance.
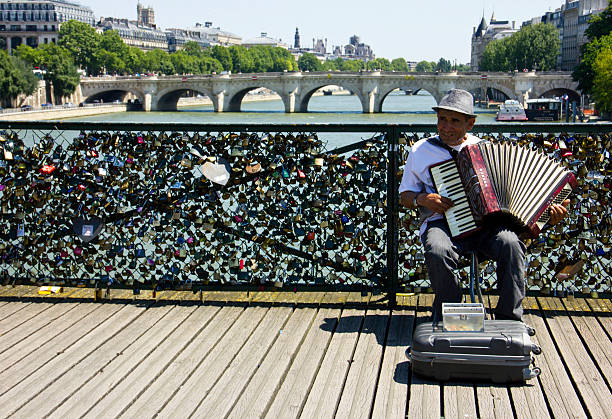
(455, 118)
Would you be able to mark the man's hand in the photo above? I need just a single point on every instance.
(558, 212)
(434, 202)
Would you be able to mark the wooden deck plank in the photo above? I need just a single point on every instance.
(424, 395)
(459, 400)
(291, 396)
(327, 387)
(12, 307)
(219, 400)
(554, 380)
(63, 348)
(181, 368)
(18, 318)
(262, 387)
(82, 386)
(24, 383)
(39, 339)
(34, 324)
(357, 398)
(493, 399)
(595, 337)
(192, 322)
(392, 389)
(66, 383)
(588, 381)
(194, 389)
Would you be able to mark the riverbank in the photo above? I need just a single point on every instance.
(53, 114)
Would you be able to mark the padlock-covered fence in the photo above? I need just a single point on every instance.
(248, 207)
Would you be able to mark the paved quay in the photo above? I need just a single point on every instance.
(275, 354)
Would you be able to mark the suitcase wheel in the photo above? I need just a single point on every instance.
(530, 330)
(528, 373)
(536, 349)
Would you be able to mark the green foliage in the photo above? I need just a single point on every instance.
(444, 65)
(15, 78)
(81, 41)
(399, 64)
(600, 25)
(60, 70)
(533, 47)
(379, 64)
(599, 34)
(222, 55)
(602, 83)
(242, 61)
(425, 66)
(159, 61)
(309, 62)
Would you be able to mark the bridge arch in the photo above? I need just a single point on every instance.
(111, 95)
(167, 99)
(235, 101)
(560, 92)
(407, 88)
(302, 104)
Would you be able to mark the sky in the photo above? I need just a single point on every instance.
(413, 30)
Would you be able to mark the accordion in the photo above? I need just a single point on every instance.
(493, 183)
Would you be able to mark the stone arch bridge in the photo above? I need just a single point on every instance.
(296, 88)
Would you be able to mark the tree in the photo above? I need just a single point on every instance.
(602, 83)
(222, 55)
(600, 25)
(399, 64)
(242, 61)
(81, 41)
(379, 64)
(60, 70)
(309, 62)
(158, 61)
(15, 78)
(444, 65)
(495, 56)
(352, 65)
(192, 48)
(599, 34)
(424, 67)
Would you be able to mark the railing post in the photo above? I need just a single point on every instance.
(392, 136)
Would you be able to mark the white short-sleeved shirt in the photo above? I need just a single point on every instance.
(417, 178)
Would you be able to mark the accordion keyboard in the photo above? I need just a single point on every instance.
(448, 183)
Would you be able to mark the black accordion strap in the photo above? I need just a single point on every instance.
(436, 141)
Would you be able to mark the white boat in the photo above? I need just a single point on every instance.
(511, 110)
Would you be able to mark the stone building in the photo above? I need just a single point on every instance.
(37, 22)
(145, 38)
(356, 50)
(145, 15)
(177, 38)
(264, 40)
(216, 36)
(576, 16)
(485, 33)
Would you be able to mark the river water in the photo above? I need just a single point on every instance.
(398, 108)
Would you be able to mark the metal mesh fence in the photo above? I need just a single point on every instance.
(292, 207)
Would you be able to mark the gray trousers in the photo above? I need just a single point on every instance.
(499, 244)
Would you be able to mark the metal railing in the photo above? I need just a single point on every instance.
(259, 206)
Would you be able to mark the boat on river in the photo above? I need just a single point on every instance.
(511, 110)
(543, 109)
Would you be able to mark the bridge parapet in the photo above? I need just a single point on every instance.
(296, 88)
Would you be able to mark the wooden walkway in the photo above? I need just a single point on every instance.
(276, 355)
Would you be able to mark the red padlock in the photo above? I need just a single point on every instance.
(310, 235)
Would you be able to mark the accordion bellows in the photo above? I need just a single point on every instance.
(501, 183)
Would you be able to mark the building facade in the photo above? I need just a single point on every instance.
(576, 16)
(177, 38)
(34, 23)
(143, 37)
(264, 40)
(485, 33)
(356, 50)
(145, 15)
(216, 36)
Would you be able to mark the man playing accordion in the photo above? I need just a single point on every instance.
(497, 242)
